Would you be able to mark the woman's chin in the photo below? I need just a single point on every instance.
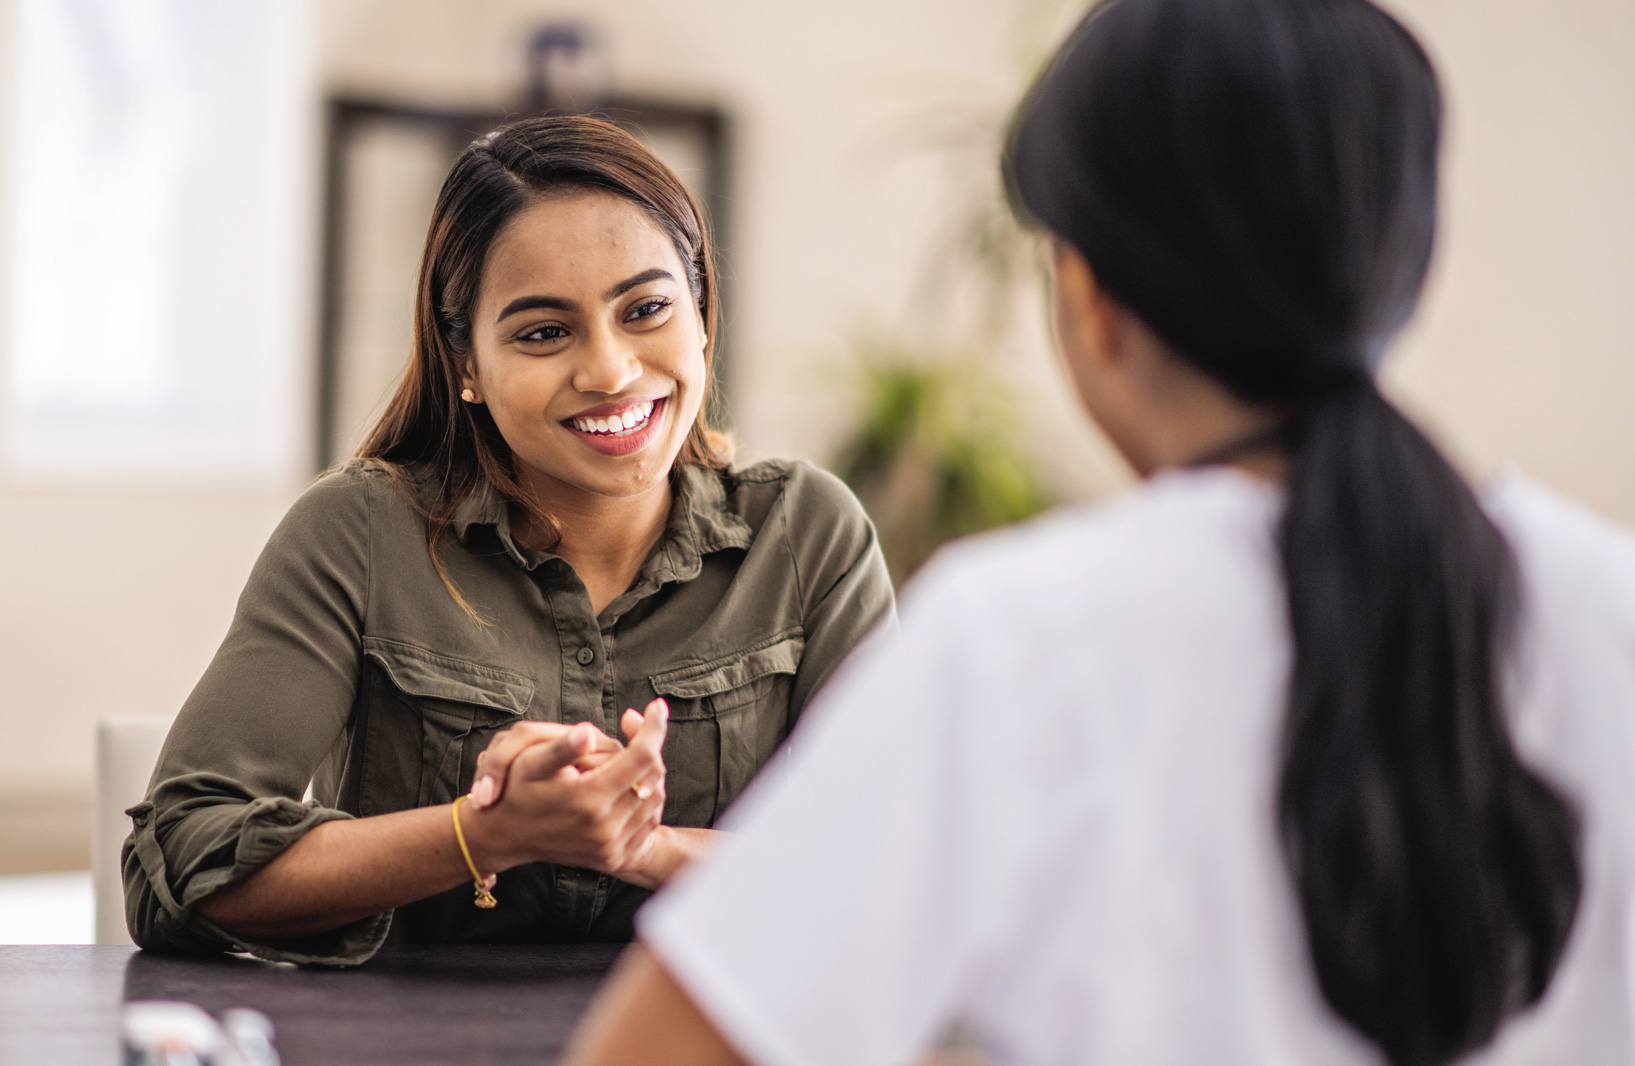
(606, 476)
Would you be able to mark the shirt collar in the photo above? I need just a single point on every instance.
(702, 521)
(483, 507)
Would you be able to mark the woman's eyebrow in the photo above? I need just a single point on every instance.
(533, 303)
(654, 274)
(558, 303)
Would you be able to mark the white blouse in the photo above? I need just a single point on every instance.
(1045, 812)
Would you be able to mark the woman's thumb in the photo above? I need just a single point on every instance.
(547, 760)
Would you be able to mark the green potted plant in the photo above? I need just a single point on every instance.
(934, 453)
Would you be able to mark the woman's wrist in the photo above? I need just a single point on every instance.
(659, 858)
(484, 829)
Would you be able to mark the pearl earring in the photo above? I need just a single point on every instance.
(468, 396)
(704, 340)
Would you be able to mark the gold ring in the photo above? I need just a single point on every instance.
(642, 790)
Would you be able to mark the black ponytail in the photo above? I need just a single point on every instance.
(1437, 874)
(1256, 180)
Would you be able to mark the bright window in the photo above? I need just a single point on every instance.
(160, 237)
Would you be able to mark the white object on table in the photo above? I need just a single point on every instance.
(161, 1032)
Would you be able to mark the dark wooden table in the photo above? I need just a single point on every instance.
(413, 1005)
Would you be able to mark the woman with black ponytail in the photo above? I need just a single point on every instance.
(1301, 753)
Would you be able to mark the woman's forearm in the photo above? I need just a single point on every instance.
(344, 871)
(347, 870)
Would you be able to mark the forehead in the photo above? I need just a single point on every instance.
(576, 243)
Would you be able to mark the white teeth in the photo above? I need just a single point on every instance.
(623, 422)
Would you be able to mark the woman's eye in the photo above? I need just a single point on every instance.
(647, 309)
(543, 334)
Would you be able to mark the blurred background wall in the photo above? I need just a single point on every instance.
(858, 129)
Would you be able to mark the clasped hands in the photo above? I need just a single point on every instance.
(571, 794)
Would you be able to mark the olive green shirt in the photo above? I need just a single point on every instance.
(350, 666)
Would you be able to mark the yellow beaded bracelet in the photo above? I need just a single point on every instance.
(484, 885)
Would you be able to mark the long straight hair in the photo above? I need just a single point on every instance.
(453, 447)
(1256, 181)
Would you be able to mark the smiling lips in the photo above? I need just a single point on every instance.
(624, 421)
(617, 429)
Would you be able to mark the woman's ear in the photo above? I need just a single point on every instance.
(1086, 317)
(469, 392)
(1103, 358)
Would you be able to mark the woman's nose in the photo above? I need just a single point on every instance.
(606, 366)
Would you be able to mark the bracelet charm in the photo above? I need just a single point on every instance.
(483, 885)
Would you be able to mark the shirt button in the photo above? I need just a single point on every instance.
(585, 656)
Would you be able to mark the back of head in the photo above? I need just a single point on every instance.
(1256, 181)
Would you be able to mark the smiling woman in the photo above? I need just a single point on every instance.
(640, 340)
(542, 529)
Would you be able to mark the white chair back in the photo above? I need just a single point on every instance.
(127, 750)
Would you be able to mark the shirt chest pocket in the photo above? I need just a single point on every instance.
(427, 718)
(727, 717)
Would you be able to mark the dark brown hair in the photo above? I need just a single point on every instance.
(455, 446)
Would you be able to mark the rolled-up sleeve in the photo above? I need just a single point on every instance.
(225, 797)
